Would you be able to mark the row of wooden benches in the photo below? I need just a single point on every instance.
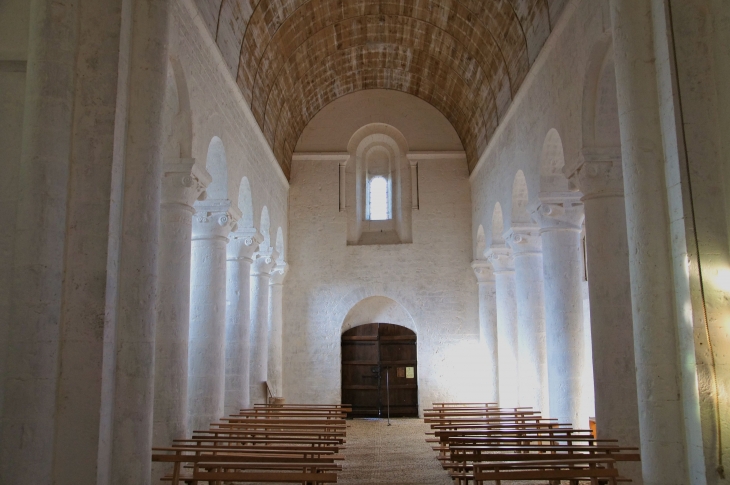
(294, 443)
(482, 443)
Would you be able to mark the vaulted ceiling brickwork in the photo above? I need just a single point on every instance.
(291, 58)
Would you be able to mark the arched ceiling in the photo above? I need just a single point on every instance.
(291, 58)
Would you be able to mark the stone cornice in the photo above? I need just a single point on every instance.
(214, 219)
(501, 259)
(483, 270)
(183, 182)
(243, 243)
(524, 239)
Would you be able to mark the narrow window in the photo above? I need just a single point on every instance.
(379, 199)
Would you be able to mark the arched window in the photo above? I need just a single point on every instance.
(378, 199)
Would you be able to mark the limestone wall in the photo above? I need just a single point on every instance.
(218, 109)
(431, 279)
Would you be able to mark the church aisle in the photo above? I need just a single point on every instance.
(395, 455)
(399, 454)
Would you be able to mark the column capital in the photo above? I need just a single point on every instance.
(264, 261)
(559, 213)
(524, 239)
(599, 174)
(278, 274)
(501, 259)
(483, 270)
(183, 182)
(243, 243)
(214, 219)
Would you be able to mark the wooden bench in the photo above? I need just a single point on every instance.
(591, 469)
(284, 444)
(479, 442)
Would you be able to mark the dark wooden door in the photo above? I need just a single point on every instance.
(379, 368)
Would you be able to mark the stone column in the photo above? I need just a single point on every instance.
(524, 240)
(213, 221)
(264, 263)
(276, 321)
(600, 179)
(183, 182)
(243, 243)
(661, 418)
(488, 335)
(560, 221)
(507, 342)
(138, 232)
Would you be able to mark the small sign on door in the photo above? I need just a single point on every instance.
(410, 372)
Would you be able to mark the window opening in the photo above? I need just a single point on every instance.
(379, 199)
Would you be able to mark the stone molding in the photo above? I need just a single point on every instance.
(214, 219)
(184, 182)
(599, 175)
(524, 239)
(243, 243)
(501, 259)
(278, 274)
(483, 270)
(559, 215)
(264, 262)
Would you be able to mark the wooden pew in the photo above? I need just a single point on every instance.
(293, 444)
(591, 469)
(481, 442)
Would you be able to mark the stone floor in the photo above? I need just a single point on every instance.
(380, 454)
(395, 455)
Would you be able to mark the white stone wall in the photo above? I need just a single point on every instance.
(550, 98)
(218, 109)
(431, 278)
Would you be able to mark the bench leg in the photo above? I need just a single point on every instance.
(176, 473)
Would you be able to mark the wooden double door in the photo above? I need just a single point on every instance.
(379, 367)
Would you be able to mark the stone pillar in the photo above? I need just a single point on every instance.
(58, 251)
(213, 221)
(488, 335)
(507, 342)
(136, 302)
(243, 243)
(264, 263)
(524, 240)
(276, 321)
(183, 182)
(600, 179)
(661, 418)
(560, 221)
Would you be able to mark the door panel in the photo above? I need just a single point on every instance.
(379, 367)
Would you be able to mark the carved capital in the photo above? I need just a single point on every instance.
(501, 259)
(183, 182)
(483, 271)
(243, 243)
(524, 239)
(599, 174)
(278, 274)
(565, 213)
(214, 219)
(264, 261)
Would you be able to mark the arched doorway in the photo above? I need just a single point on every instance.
(379, 367)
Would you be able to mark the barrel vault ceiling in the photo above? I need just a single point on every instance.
(291, 58)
